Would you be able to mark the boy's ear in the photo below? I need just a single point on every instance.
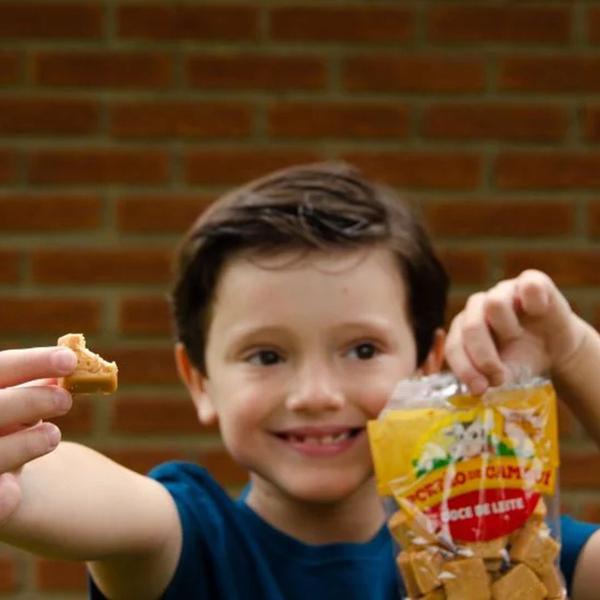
(435, 359)
(196, 385)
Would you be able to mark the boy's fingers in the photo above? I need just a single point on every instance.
(21, 447)
(500, 313)
(540, 298)
(40, 382)
(10, 495)
(478, 342)
(534, 290)
(30, 404)
(20, 366)
(460, 363)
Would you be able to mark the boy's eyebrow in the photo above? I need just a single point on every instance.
(244, 331)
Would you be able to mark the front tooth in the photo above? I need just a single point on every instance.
(328, 439)
(312, 440)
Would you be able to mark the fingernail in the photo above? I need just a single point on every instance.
(478, 385)
(53, 435)
(64, 360)
(62, 399)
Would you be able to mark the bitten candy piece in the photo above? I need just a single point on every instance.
(93, 374)
(520, 583)
(466, 579)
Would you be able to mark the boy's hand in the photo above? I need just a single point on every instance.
(28, 394)
(521, 322)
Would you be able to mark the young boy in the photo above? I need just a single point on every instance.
(300, 301)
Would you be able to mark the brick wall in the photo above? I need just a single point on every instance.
(119, 121)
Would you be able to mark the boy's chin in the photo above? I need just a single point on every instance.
(331, 492)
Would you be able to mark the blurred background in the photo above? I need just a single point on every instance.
(121, 120)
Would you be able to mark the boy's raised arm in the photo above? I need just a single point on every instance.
(577, 381)
(69, 501)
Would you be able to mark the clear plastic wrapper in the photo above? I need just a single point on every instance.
(469, 485)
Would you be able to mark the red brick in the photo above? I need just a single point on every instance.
(547, 170)
(256, 72)
(580, 469)
(590, 512)
(558, 73)
(9, 266)
(79, 420)
(48, 116)
(8, 574)
(456, 303)
(222, 467)
(591, 123)
(341, 24)
(21, 20)
(189, 119)
(567, 424)
(160, 213)
(76, 166)
(594, 219)
(102, 69)
(47, 212)
(48, 315)
(421, 169)
(9, 68)
(593, 24)
(513, 24)
(8, 166)
(179, 22)
(145, 316)
(338, 120)
(465, 266)
(60, 576)
(506, 218)
(495, 121)
(566, 267)
(144, 459)
(93, 266)
(154, 415)
(387, 73)
(239, 166)
(147, 365)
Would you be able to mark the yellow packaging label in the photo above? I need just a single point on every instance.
(428, 454)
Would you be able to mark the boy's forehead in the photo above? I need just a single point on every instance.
(281, 274)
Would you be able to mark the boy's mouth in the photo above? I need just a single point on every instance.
(329, 436)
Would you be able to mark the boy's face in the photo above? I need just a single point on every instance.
(300, 355)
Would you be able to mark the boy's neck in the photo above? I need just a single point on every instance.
(354, 519)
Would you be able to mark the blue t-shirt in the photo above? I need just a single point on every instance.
(230, 553)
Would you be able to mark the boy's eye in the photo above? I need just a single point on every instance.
(364, 351)
(265, 358)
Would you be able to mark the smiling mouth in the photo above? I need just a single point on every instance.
(312, 439)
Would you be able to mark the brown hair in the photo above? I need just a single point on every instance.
(322, 206)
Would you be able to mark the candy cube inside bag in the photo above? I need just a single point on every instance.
(472, 478)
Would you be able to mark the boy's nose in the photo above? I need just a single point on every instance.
(315, 389)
